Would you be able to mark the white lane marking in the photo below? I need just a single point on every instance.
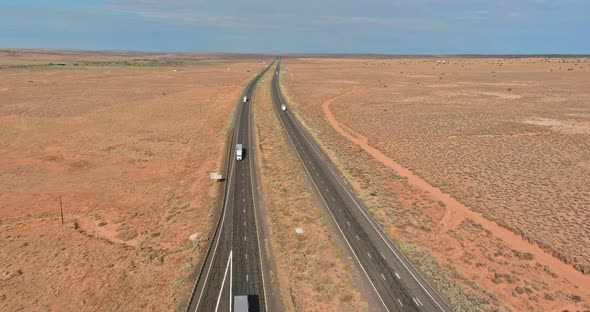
(369, 255)
(383, 276)
(232, 167)
(348, 223)
(416, 302)
(244, 238)
(420, 302)
(231, 281)
(224, 278)
(382, 256)
(244, 210)
(400, 303)
(397, 275)
(247, 279)
(357, 238)
(371, 221)
(243, 200)
(338, 225)
(244, 223)
(246, 256)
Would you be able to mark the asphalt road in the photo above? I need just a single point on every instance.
(398, 286)
(232, 267)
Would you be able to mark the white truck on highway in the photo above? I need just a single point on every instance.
(245, 98)
(283, 107)
(239, 152)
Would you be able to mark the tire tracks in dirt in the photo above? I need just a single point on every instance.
(455, 212)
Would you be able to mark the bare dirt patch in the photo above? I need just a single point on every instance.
(129, 147)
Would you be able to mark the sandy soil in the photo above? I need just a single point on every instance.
(467, 149)
(313, 274)
(129, 148)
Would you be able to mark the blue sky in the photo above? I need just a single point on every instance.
(300, 26)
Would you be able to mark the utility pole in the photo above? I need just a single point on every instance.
(61, 208)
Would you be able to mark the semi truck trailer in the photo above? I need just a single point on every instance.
(239, 152)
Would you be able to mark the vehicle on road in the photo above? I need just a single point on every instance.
(283, 107)
(245, 98)
(247, 303)
(239, 152)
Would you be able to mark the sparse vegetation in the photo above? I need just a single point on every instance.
(131, 164)
(312, 272)
(470, 137)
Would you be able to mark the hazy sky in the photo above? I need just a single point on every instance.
(300, 26)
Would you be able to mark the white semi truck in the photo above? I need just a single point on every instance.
(239, 152)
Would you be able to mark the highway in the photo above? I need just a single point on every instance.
(232, 266)
(396, 283)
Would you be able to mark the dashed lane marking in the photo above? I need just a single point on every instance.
(420, 302)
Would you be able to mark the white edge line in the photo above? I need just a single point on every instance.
(371, 222)
(251, 161)
(227, 268)
(343, 235)
(231, 282)
(231, 175)
(367, 217)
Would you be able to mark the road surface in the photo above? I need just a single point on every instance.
(397, 285)
(232, 267)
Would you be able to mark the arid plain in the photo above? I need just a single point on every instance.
(478, 168)
(128, 141)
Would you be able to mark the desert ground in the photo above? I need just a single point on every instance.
(478, 168)
(128, 142)
(312, 272)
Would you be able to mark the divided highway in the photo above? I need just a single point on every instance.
(232, 267)
(397, 285)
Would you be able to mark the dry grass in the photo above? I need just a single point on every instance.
(509, 146)
(130, 149)
(312, 273)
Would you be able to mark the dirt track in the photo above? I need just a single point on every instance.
(455, 211)
(503, 138)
